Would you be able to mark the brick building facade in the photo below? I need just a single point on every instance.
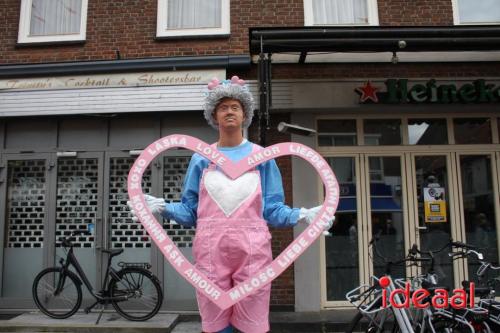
(122, 38)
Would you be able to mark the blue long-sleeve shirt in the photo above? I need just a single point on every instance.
(275, 212)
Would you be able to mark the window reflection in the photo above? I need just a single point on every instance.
(479, 211)
(472, 130)
(431, 171)
(427, 132)
(386, 211)
(342, 270)
(382, 132)
(341, 132)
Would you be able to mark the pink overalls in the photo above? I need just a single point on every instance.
(232, 242)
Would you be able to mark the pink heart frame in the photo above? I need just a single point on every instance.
(225, 299)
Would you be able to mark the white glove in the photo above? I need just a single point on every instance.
(307, 216)
(156, 205)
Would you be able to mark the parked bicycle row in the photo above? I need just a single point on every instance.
(421, 303)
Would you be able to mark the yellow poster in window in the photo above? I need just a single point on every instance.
(434, 205)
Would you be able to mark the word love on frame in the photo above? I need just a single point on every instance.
(225, 299)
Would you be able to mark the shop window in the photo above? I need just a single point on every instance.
(476, 12)
(340, 12)
(44, 21)
(472, 130)
(382, 132)
(341, 132)
(192, 17)
(427, 132)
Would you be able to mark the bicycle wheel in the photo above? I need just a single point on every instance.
(382, 321)
(56, 294)
(141, 292)
(447, 325)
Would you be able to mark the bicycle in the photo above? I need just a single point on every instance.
(134, 291)
(369, 301)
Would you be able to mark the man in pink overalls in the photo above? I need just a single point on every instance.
(232, 239)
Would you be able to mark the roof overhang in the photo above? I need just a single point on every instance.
(377, 44)
(229, 62)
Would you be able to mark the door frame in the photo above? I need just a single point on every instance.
(362, 243)
(98, 225)
(154, 256)
(48, 228)
(495, 176)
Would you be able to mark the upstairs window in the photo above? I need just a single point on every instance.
(340, 12)
(192, 17)
(52, 21)
(476, 12)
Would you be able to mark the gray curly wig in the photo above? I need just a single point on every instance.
(235, 89)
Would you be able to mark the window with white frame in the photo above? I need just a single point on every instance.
(52, 21)
(476, 12)
(192, 17)
(340, 12)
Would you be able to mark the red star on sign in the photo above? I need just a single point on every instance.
(368, 92)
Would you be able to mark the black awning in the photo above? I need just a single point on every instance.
(231, 62)
(374, 39)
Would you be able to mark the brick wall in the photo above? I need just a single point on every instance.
(416, 12)
(130, 27)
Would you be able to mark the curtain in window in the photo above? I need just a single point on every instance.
(340, 12)
(55, 17)
(484, 11)
(194, 14)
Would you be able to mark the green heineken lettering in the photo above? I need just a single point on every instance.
(447, 93)
(398, 92)
(467, 93)
(432, 89)
(418, 93)
(486, 94)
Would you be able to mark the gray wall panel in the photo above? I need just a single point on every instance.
(31, 134)
(78, 133)
(133, 132)
(192, 123)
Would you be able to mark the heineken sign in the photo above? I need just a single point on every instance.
(398, 91)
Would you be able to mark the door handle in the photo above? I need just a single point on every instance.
(96, 227)
(106, 233)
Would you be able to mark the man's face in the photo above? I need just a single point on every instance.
(229, 114)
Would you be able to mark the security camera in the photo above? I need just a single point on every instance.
(295, 129)
(402, 44)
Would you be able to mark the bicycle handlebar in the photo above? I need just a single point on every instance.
(463, 245)
(66, 241)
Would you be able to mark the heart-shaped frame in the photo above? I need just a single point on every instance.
(225, 299)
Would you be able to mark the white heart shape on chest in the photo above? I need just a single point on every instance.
(230, 194)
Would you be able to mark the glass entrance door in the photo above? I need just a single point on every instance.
(120, 231)
(478, 197)
(386, 210)
(343, 254)
(79, 206)
(434, 209)
(24, 224)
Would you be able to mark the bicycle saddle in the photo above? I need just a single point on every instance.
(113, 253)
